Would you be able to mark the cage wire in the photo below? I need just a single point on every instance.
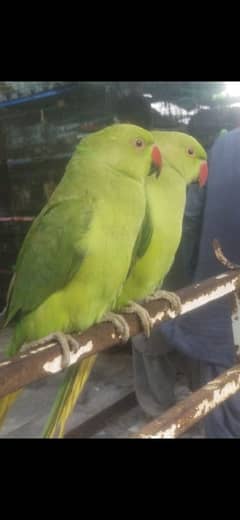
(200, 108)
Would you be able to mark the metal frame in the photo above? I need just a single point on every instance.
(40, 362)
(184, 415)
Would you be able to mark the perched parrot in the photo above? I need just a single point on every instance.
(77, 253)
(183, 162)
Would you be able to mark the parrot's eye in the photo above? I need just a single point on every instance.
(139, 143)
(190, 151)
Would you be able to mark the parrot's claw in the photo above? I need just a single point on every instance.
(119, 323)
(171, 297)
(142, 314)
(65, 340)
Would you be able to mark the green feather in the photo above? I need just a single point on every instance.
(156, 247)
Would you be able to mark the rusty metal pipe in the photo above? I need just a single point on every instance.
(185, 414)
(43, 361)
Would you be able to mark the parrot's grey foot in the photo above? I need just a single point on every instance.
(65, 340)
(171, 297)
(142, 314)
(119, 323)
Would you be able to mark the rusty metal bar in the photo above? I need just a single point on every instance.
(184, 415)
(43, 361)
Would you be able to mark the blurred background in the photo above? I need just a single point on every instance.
(41, 123)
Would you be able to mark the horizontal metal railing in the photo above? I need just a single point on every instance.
(43, 361)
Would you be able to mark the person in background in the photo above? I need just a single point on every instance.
(192, 224)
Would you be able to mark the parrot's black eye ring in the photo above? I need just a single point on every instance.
(139, 143)
(190, 151)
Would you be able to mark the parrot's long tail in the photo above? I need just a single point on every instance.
(68, 394)
(6, 403)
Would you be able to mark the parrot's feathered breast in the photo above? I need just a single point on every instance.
(77, 253)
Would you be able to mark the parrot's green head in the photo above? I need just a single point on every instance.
(126, 149)
(183, 153)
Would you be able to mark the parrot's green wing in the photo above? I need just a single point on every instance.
(51, 254)
(143, 239)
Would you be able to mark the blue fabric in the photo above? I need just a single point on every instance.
(206, 334)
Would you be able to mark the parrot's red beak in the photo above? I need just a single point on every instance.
(203, 174)
(156, 161)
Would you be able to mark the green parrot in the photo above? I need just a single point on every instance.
(183, 161)
(77, 253)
